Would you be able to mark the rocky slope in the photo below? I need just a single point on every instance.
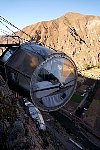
(17, 130)
(75, 34)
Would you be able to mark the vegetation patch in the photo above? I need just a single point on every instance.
(76, 98)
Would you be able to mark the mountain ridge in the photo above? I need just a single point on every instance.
(75, 34)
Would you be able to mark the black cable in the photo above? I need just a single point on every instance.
(7, 27)
(23, 39)
(7, 35)
(13, 31)
(5, 20)
(5, 32)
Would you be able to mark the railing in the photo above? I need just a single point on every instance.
(79, 121)
(8, 41)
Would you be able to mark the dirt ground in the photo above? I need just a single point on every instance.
(92, 73)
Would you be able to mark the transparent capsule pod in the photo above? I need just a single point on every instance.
(53, 82)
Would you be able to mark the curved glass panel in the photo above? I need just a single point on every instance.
(53, 82)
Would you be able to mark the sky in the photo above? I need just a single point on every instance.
(22, 13)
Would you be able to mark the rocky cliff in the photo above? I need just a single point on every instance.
(17, 130)
(75, 34)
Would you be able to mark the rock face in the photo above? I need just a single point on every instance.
(17, 130)
(75, 34)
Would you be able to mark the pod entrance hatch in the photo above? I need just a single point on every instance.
(53, 82)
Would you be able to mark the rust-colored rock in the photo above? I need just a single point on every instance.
(75, 34)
